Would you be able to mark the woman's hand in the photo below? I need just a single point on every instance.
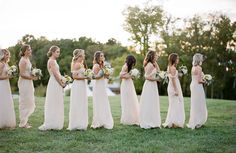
(34, 78)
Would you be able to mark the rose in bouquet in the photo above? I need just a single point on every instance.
(107, 70)
(183, 70)
(162, 76)
(36, 73)
(135, 73)
(88, 73)
(66, 79)
(208, 79)
(12, 71)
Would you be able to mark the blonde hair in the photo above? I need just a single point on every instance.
(52, 50)
(197, 59)
(2, 53)
(77, 53)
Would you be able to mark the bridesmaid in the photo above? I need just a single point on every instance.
(176, 115)
(102, 116)
(198, 109)
(54, 102)
(7, 112)
(129, 99)
(78, 115)
(149, 102)
(26, 87)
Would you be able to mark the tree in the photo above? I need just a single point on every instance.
(142, 23)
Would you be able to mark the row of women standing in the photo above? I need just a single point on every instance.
(146, 113)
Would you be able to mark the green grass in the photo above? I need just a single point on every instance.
(218, 135)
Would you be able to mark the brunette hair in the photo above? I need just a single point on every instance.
(23, 49)
(130, 61)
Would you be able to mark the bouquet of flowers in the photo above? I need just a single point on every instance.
(135, 73)
(183, 70)
(88, 73)
(162, 76)
(107, 70)
(208, 79)
(12, 71)
(66, 79)
(36, 73)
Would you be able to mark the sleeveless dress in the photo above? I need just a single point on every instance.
(149, 101)
(198, 108)
(129, 101)
(7, 112)
(102, 116)
(78, 114)
(54, 104)
(176, 114)
(26, 96)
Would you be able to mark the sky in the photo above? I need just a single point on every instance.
(97, 19)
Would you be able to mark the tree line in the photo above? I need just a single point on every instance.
(213, 35)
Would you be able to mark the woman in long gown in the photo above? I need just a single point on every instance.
(26, 87)
(176, 115)
(102, 116)
(129, 99)
(54, 103)
(149, 102)
(7, 112)
(78, 115)
(198, 109)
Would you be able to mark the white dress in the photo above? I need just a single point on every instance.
(7, 112)
(78, 114)
(198, 108)
(176, 114)
(102, 116)
(129, 101)
(26, 96)
(54, 104)
(149, 102)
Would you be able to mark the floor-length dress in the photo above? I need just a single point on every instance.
(54, 104)
(198, 108)
(149, 101)
(78, 114)
(176, 114)
(26, 96)
(7, 112)
(102, 116)
(129, 101)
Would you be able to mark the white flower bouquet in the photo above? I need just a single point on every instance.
(183, 69)
(36, 73)
(162, 76)
(208, 79)
(12, 71)
(88, 73)
(107, 70)
(66, 79)
(135, 73)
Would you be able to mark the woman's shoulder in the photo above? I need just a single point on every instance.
(22, 61)
(172, 70)
(76, 66)
(96, 65)
(125, 66)
(2, 65)
(196, 70)
(149, 65)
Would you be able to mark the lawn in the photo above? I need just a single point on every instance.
(218, 135)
